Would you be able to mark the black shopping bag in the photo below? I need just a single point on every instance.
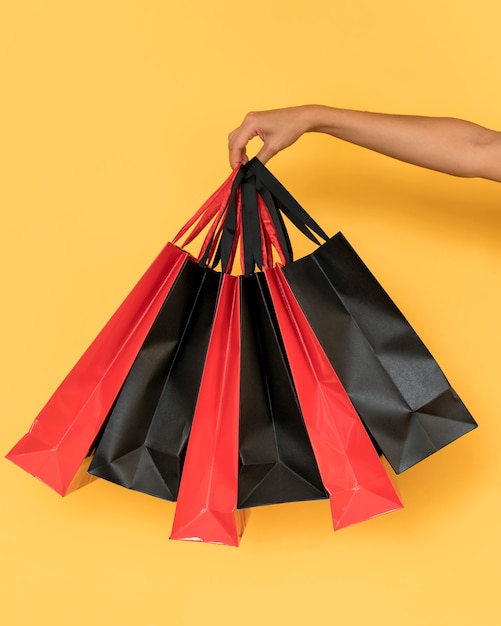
(396, 385)
(277, 463)
(143, 444)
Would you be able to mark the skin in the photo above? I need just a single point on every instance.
(444, 144)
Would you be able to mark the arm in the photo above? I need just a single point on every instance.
(447, 145)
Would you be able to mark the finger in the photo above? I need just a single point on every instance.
(237, 142)
(237, 156)
(266, 153)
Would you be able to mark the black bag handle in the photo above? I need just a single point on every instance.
(255, 179)
(251, 226)
(287, 203)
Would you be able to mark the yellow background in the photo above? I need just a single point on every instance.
(113, 124)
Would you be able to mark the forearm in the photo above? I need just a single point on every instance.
(447, 145)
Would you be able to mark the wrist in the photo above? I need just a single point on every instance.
(322, 119)
(305, 118)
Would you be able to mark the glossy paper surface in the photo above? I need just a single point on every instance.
(350, 468)
(207, 496)
(64, 431)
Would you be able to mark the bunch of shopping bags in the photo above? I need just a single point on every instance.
(286, 382)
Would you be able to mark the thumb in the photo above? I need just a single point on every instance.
(266, 153)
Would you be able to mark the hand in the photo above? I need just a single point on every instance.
(278, 129)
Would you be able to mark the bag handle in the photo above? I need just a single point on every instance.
(286, 202)
(255, 237)
(248, 209)
(261, 188)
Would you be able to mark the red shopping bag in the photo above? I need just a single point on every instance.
(351, 470)
(63, 433)
(208, 491)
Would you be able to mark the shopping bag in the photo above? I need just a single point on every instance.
(144, 440)
(277, 463)
(63, 433)
(351, 469)
(208, 491)
(397, 387)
